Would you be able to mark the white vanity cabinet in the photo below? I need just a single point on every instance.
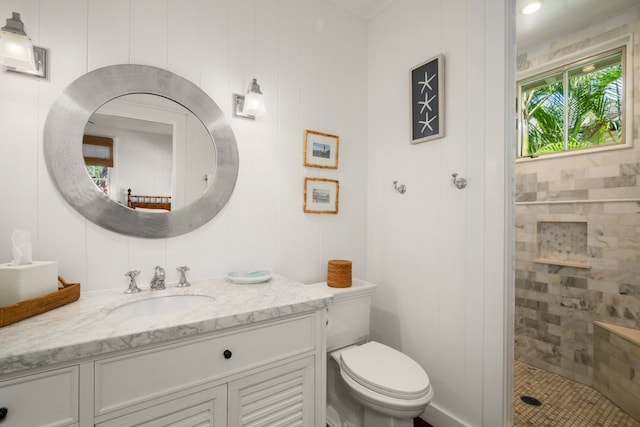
(48, 398)
(268, 373)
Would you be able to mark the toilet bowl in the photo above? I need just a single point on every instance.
(389, 386)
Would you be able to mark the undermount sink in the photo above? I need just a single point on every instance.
(161, 305)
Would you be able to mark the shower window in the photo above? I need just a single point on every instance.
(101, 176)
(98, 157)
(575, 107)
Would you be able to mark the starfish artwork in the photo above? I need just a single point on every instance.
(427, 107)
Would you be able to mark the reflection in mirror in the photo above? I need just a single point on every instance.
(135, 150)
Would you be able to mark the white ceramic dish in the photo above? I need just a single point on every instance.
(249, 277)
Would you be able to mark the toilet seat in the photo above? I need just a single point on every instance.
(386, 371)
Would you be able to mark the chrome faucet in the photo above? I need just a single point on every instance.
(183, 277)
(157, 283)
(133, 287)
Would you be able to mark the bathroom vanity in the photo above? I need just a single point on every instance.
(215, 353)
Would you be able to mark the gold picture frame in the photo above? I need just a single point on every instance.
(321, 195)
(321, 149)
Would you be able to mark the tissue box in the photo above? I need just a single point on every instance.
(23, 282)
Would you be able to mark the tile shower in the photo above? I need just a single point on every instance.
(578, 234)
(577, 261)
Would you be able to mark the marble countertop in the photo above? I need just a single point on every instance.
(85, 328)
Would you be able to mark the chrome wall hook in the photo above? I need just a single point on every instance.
(460, 183)
(399, 188)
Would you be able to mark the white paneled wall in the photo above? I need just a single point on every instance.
(306, 55)
(437, 252)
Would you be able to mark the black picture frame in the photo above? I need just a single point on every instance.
(427, 100)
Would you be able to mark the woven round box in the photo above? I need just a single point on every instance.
(339, 273)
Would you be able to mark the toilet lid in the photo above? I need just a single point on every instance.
(385, 370)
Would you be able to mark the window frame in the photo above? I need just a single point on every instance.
(572, 61)
(100, 141)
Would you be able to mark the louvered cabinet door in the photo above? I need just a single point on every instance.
(202, 409)
(279, 397)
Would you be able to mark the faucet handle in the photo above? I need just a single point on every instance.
(183, 283)
(133, 286)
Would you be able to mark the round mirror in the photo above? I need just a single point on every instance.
(111, 102)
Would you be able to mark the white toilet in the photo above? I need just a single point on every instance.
(368, 384)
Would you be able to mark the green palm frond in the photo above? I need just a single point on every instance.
(594, 112)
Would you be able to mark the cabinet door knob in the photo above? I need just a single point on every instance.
(227, 354)
(3, 413)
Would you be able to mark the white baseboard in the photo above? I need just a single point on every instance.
(438, 417)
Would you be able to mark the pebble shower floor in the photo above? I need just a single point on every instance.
(565, 403)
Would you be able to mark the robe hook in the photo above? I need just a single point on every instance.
(399, 188)
(460, 183)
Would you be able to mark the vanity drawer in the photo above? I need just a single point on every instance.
(49, 398)
(141, 376)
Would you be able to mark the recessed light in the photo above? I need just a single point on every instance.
(531, 7)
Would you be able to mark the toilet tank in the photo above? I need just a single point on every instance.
(348, 316)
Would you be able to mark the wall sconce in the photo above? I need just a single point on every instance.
(17, 53)
(251, 105)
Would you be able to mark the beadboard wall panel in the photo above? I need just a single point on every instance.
(218, 45)
(437, 252)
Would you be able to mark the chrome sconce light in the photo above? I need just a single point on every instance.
(17, 53)
(251, 105)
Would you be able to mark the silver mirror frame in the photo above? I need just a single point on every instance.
(64, 129)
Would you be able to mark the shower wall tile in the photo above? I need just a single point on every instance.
(563, 185)
(620, 181)
(603, 171)
(568, 174)
(626, 289)
(615, 193)
(590, 183)
(630, 169)
(542, 187)
(574, 282)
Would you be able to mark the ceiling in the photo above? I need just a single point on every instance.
(557, 17)
(119, 122)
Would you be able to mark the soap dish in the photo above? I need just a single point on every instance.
(24, 309)
(249, 277)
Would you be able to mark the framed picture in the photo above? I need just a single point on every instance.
(321, 195)
(427, 100)
(321, 149)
